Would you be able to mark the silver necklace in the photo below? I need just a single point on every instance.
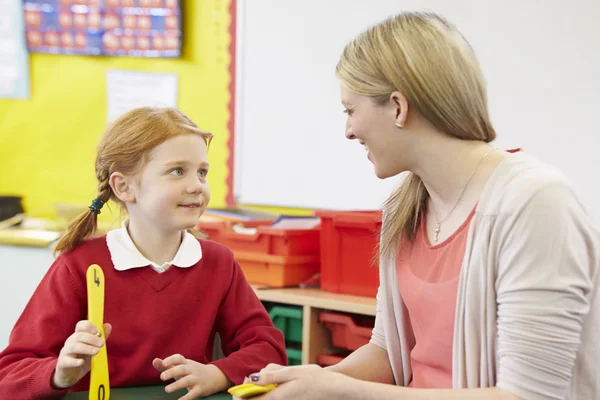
(438, 223)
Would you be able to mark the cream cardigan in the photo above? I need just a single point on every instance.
(528, 311)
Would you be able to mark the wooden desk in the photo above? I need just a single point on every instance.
(146, 393)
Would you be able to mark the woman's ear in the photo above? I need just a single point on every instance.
(399, 105)
(121, 187)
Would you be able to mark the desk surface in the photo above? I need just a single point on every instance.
(146, 393)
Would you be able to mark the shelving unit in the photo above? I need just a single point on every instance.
(316, 339)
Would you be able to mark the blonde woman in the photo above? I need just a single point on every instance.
(489, 263)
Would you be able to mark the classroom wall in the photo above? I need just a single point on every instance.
(48, 143)
(541, 73)
(24, 268)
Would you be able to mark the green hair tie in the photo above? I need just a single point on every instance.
(96, 205)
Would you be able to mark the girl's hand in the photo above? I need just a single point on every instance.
(75, 358)
(201, 380)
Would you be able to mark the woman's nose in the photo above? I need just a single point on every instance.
(349, 134)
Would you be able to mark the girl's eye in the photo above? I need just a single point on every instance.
(176, 172)
(202, 173)
(348, 112)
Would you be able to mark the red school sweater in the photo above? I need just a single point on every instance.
(152, 315)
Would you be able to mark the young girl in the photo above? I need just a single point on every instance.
(490, 266)
(167, 293)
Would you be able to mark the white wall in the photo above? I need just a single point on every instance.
(21, 270)
(540, 59)
(543, 70)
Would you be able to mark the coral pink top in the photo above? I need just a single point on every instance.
(428, 279)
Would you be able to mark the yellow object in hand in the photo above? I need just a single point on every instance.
(99, 380)
(250, 390)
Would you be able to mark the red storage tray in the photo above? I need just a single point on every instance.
(347, 333)
(349, 241)
(277, 271)
(266, 240)
(271, 256)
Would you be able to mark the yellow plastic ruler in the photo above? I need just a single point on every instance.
(99, 380)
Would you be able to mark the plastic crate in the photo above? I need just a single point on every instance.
(277, 271)
(270, 256)
(266, 240)
(294, 356)
(349, 241)
(289, 321)
(347, 332)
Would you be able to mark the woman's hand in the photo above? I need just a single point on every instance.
(302, 382)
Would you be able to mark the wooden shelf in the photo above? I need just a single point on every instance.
(316, 338)
(317, 298)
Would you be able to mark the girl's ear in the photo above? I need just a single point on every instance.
(121, 187)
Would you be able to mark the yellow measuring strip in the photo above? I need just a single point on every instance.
(247, 390)
(99, 380)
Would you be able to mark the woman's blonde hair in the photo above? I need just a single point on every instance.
(425, 58)
(126, 147)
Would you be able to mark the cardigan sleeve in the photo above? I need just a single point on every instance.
(547, 261)
(378, 336)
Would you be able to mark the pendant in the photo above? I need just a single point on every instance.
(436, 232)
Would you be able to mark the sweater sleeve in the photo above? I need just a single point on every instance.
(29, 360)
(248, 337)
(547, 261)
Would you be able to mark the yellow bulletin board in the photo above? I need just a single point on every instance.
(48, 143)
